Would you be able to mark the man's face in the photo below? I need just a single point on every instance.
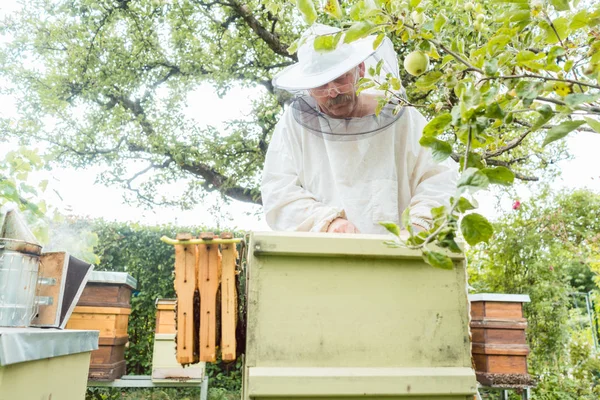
(338, 98)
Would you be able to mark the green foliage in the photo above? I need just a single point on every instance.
(499, 73)
(16, 187)
(545, 249)
(115, 79)
(148, 394)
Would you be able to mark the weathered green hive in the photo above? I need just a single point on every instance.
(343, 316)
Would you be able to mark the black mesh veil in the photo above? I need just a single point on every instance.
(307, 114)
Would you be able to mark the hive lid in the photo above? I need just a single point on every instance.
(29, 344)
(319, 244)
(113, 277)
(500, 297)
(165, 302)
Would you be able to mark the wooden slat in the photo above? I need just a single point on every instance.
(506, 364)
(228, 302)
(99, 294)
(477, 310)
(481, 362)
(500, 349)
(109, 325)
(108, 355)
(52, 265)
(113, 341)
(102, 310)
(208, 283)
(498, 336)
(517, 324)
(165, 321)
(185, 285)
(494, 309)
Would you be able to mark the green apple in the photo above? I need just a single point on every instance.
(416, 63)
(468, 6)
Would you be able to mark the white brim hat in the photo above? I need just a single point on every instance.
(316, 68)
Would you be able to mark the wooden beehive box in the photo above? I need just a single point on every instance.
(165, 367)
(499, 345)
(108, 362)
(105, 306)
(165, 315)
(334, 316)
(108, 289)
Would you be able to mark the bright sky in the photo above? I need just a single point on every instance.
(80, 195)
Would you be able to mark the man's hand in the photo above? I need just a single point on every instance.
(341, 225)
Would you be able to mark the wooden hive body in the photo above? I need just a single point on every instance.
(499, 344)
(105, 306)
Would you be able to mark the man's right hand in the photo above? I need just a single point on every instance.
(341, 225)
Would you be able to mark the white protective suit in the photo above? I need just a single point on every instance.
(309, 179)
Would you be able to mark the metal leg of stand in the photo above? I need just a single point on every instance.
(204, 390)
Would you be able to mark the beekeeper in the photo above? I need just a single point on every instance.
(332, 164)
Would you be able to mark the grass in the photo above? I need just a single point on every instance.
(158, 394)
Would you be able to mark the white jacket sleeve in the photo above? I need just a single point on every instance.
(287, 205)
(432, 183)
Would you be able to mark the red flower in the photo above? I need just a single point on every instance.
(516, 205)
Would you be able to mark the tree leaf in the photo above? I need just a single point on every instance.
(490, 67)
(391, 227)
(428, 80)
(562, 130)
(437, 259)
(574, 99)
(579, 20)
(476, 228)
(464, 205)
(438, 212)
(546, 114)
(561, 26)
(324, 43)
(498, 43)
(494, 111)
(440, 150)
(308, 11)
(358, 30)
(528, 89)
(405, 219)
(499, 175)
(473, 179)
(437, 125)
(332, 7)
(439, 22)
(378, 41)
(473, 160)
(594, 124)
(561, 5)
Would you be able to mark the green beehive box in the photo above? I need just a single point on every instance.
(343, 316)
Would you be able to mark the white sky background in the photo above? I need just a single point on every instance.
(80, 195)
